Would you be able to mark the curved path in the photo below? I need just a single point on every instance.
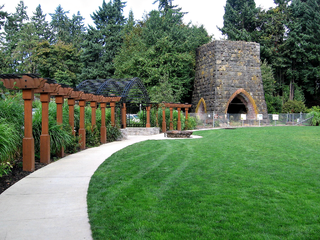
(51, 203)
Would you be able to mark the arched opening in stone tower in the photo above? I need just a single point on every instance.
(201, 109)
(242, 103)
(238, 106)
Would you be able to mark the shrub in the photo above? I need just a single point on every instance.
(293, 106)
(191, 123)
(274, 103)
(60, 135)
(9, 136)
(113, 133)
(12, 110)
(315, 112)
(92, 136)
(11, 131)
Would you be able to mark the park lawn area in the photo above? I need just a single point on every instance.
(245, 183)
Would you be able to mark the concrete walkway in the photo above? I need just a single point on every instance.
(51, 203)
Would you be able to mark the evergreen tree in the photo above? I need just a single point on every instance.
(60, 24)
(271, 31)
(3, 16)
(273, 101)
(24, 49)
(13, 26)
(103, 41)
(302, 47)
(165, 5)
(239, 19)
(161, 51)
(59, 61)
(42, 27)
(77, 30)
(3, 56)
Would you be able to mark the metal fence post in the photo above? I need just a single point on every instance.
(213, 118)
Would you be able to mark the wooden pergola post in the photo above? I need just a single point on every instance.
(71, 103)
(28, 141)
(45, 137)
(186, 122)
(82, 130)
(113, 106)
(164, 126)
(45, 92)
(59, 99)
(157, 122)
(179, 119)
(93, 105)
(124, 115)
(171, 118)
(103, 129)
(148, 117)
(73, 95)
(178, 106)
(28, 83)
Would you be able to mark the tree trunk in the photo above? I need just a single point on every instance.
(291, 96)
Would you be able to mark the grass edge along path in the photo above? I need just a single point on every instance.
(247, 183)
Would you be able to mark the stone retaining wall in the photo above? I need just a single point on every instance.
(142, 131)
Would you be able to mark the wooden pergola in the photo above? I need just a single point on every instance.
(171, 106)
(31, 84)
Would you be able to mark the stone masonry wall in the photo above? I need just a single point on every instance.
(223, 67)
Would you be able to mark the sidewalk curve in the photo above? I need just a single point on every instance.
(51, 203)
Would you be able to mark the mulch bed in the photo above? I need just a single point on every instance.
(15, 175)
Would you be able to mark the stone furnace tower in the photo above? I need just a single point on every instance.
(228, 79)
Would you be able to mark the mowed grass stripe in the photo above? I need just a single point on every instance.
(249, 183)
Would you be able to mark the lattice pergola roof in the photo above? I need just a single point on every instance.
(130, 90)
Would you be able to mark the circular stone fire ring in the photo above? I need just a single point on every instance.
(179, 134)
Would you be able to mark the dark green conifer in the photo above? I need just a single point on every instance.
(239, 20)
(103, 41)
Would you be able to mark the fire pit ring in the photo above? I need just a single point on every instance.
(178, 134)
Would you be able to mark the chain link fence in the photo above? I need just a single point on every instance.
(209, 120)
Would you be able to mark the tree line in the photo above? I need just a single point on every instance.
(290, 46)
(159, 49)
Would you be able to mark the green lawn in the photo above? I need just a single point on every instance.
(246, 183)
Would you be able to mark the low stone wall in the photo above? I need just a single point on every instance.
(179, 134)
(142, 131)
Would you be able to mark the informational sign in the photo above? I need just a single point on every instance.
(243, 117)
(275, 117)
(259, 116)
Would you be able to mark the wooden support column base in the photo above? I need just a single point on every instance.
(28, 154)
(45, 148)
(82, 134)
(164, 127)
(179, 125)
(103, 131)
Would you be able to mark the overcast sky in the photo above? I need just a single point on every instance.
(201, 12)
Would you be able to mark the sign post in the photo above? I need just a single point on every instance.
(243, 118)
(275, 117)
(259, 117)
